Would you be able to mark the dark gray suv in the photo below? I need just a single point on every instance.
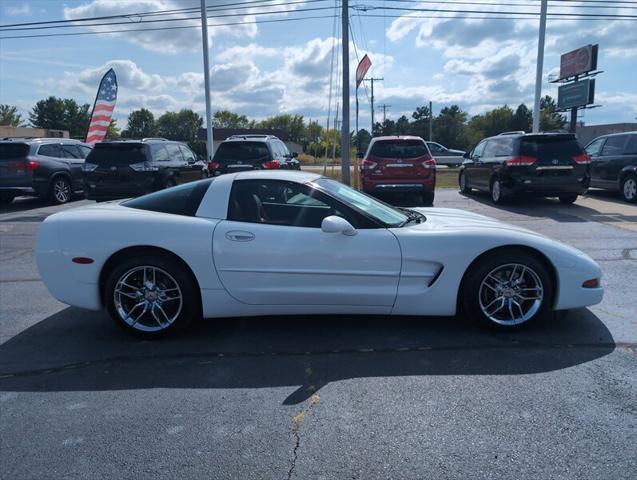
(614, 165)
(49, 168)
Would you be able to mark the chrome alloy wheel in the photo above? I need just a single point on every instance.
(496, 192)
(61, 190)
(630, 189)
(511, 294)
(147, 298)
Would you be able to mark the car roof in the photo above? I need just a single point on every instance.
(531, 135)
(242, 139)
(634, 132)
(397, 137)
(286, 175)
(31, 140)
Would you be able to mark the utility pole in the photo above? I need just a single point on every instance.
(385, 107)
(345, 126)
(573, 125)
(431, 121)
(372, 100)
(206, 76)
(539, 67)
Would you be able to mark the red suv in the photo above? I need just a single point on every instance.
(399, 164)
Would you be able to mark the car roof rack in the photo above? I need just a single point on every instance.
(39, 139)
(146, 139)
(514, 132)
(252, 135)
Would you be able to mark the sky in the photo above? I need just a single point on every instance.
(283, 66)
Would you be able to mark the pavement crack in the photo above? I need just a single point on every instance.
(297, 421)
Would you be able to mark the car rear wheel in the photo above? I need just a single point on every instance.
(629, 188)
(568, 198)
(428, 199)
(507, 290)
(6, 198)
(497, 194)
(60, 191)
(151, 296)
(462, 182)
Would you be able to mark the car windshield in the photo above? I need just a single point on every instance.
(372, 207)
(13, 150)
(245, 151)
(399, 149)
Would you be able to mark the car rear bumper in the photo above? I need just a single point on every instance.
(406, 186)
(113, 192)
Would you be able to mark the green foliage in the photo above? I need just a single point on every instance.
(9, 115)
(550, 119)
(364, 137)
(113, 131)
(450, 128)
(293, 125)
(522, 119)
(228, 119)
(182, 125)
(61, 114)
(141, 124)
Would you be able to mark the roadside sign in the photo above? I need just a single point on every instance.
(576, 94)
(578, 61)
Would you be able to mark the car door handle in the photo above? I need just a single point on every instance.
(240, 236)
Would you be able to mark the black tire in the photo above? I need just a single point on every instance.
(6, 198)
(497, 193)
(428, 199)
(570, 198)
(628, 188)
(462, 183)
(178, 315)
(60, 191)
(473, 298)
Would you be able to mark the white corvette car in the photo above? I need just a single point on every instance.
(281, 242)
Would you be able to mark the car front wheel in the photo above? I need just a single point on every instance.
(629, 188)
(151, 295)
(462, 182)
(568, 198)
(507, 290)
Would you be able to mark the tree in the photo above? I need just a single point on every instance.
(113, 131)
(492, 122)
(9, 115)
(450, 127)
(141, 124)
(228, 119)
(61, 114)
(293, 125)
(402, 126)
(420, 125)
(362, 139)
(314, 132)
(182, 125)
(549, 118)
(522, 119)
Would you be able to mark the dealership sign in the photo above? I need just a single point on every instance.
(576, 94)
(578, 61)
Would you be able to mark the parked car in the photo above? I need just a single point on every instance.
(130, 168)
(544, 164)
(446, 156)
(614, 163)
(294, 243)
(49, 168)
(399, 164)
(252, 152)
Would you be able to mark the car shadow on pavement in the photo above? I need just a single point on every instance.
(553, 209)
(78, 350)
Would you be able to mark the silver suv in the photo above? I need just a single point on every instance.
(49, 168)
(252, 152)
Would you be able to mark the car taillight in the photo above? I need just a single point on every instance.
(212, 166)
(431, 163)
(368, 165)
(143, 167)
(23, 167)
(272, 164)
(31, 166)
(521, 160)
(89, 167)
(582, 159)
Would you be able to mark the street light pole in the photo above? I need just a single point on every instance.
(539, 67)
(206, 76)
(345, 126)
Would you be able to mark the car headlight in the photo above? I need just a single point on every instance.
(89, 167)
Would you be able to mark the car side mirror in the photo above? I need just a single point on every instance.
(335, 224)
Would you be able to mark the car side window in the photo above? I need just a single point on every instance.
(595, 147)
(277, 202)
(631, 146)
(174, 153)
(435, 148)
(479, 150)
(50, 150)
(614, 145)
(159, 153)
(504, 147)
(71, 151)
(189, 156)
(84, 150)
(284, 149)
(490, 149)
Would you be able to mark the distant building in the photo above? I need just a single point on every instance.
(220, 134)
(587, 133)
(7, 131)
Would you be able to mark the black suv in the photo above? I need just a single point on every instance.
(614, 163)
(49, 168)
(544, 164)
(130, 168)
(252, 152)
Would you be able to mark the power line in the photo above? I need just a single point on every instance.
(443, 10)
(479, 3)
(492, 16)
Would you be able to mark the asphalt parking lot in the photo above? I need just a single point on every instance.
(326, 397)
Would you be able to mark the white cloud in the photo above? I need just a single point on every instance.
(18, 10)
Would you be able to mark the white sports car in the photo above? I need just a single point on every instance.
(281, 243)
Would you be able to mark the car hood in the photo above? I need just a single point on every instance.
(459, 152)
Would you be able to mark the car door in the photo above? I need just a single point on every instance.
(594, 150)
(271, 250)
(612, 155)
(74, 158)
(191, 170)
(471, 166)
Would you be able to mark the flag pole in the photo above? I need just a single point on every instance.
(206, 76)
(358, 142)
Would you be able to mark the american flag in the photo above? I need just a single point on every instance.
(362, 68)
(103, 108)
